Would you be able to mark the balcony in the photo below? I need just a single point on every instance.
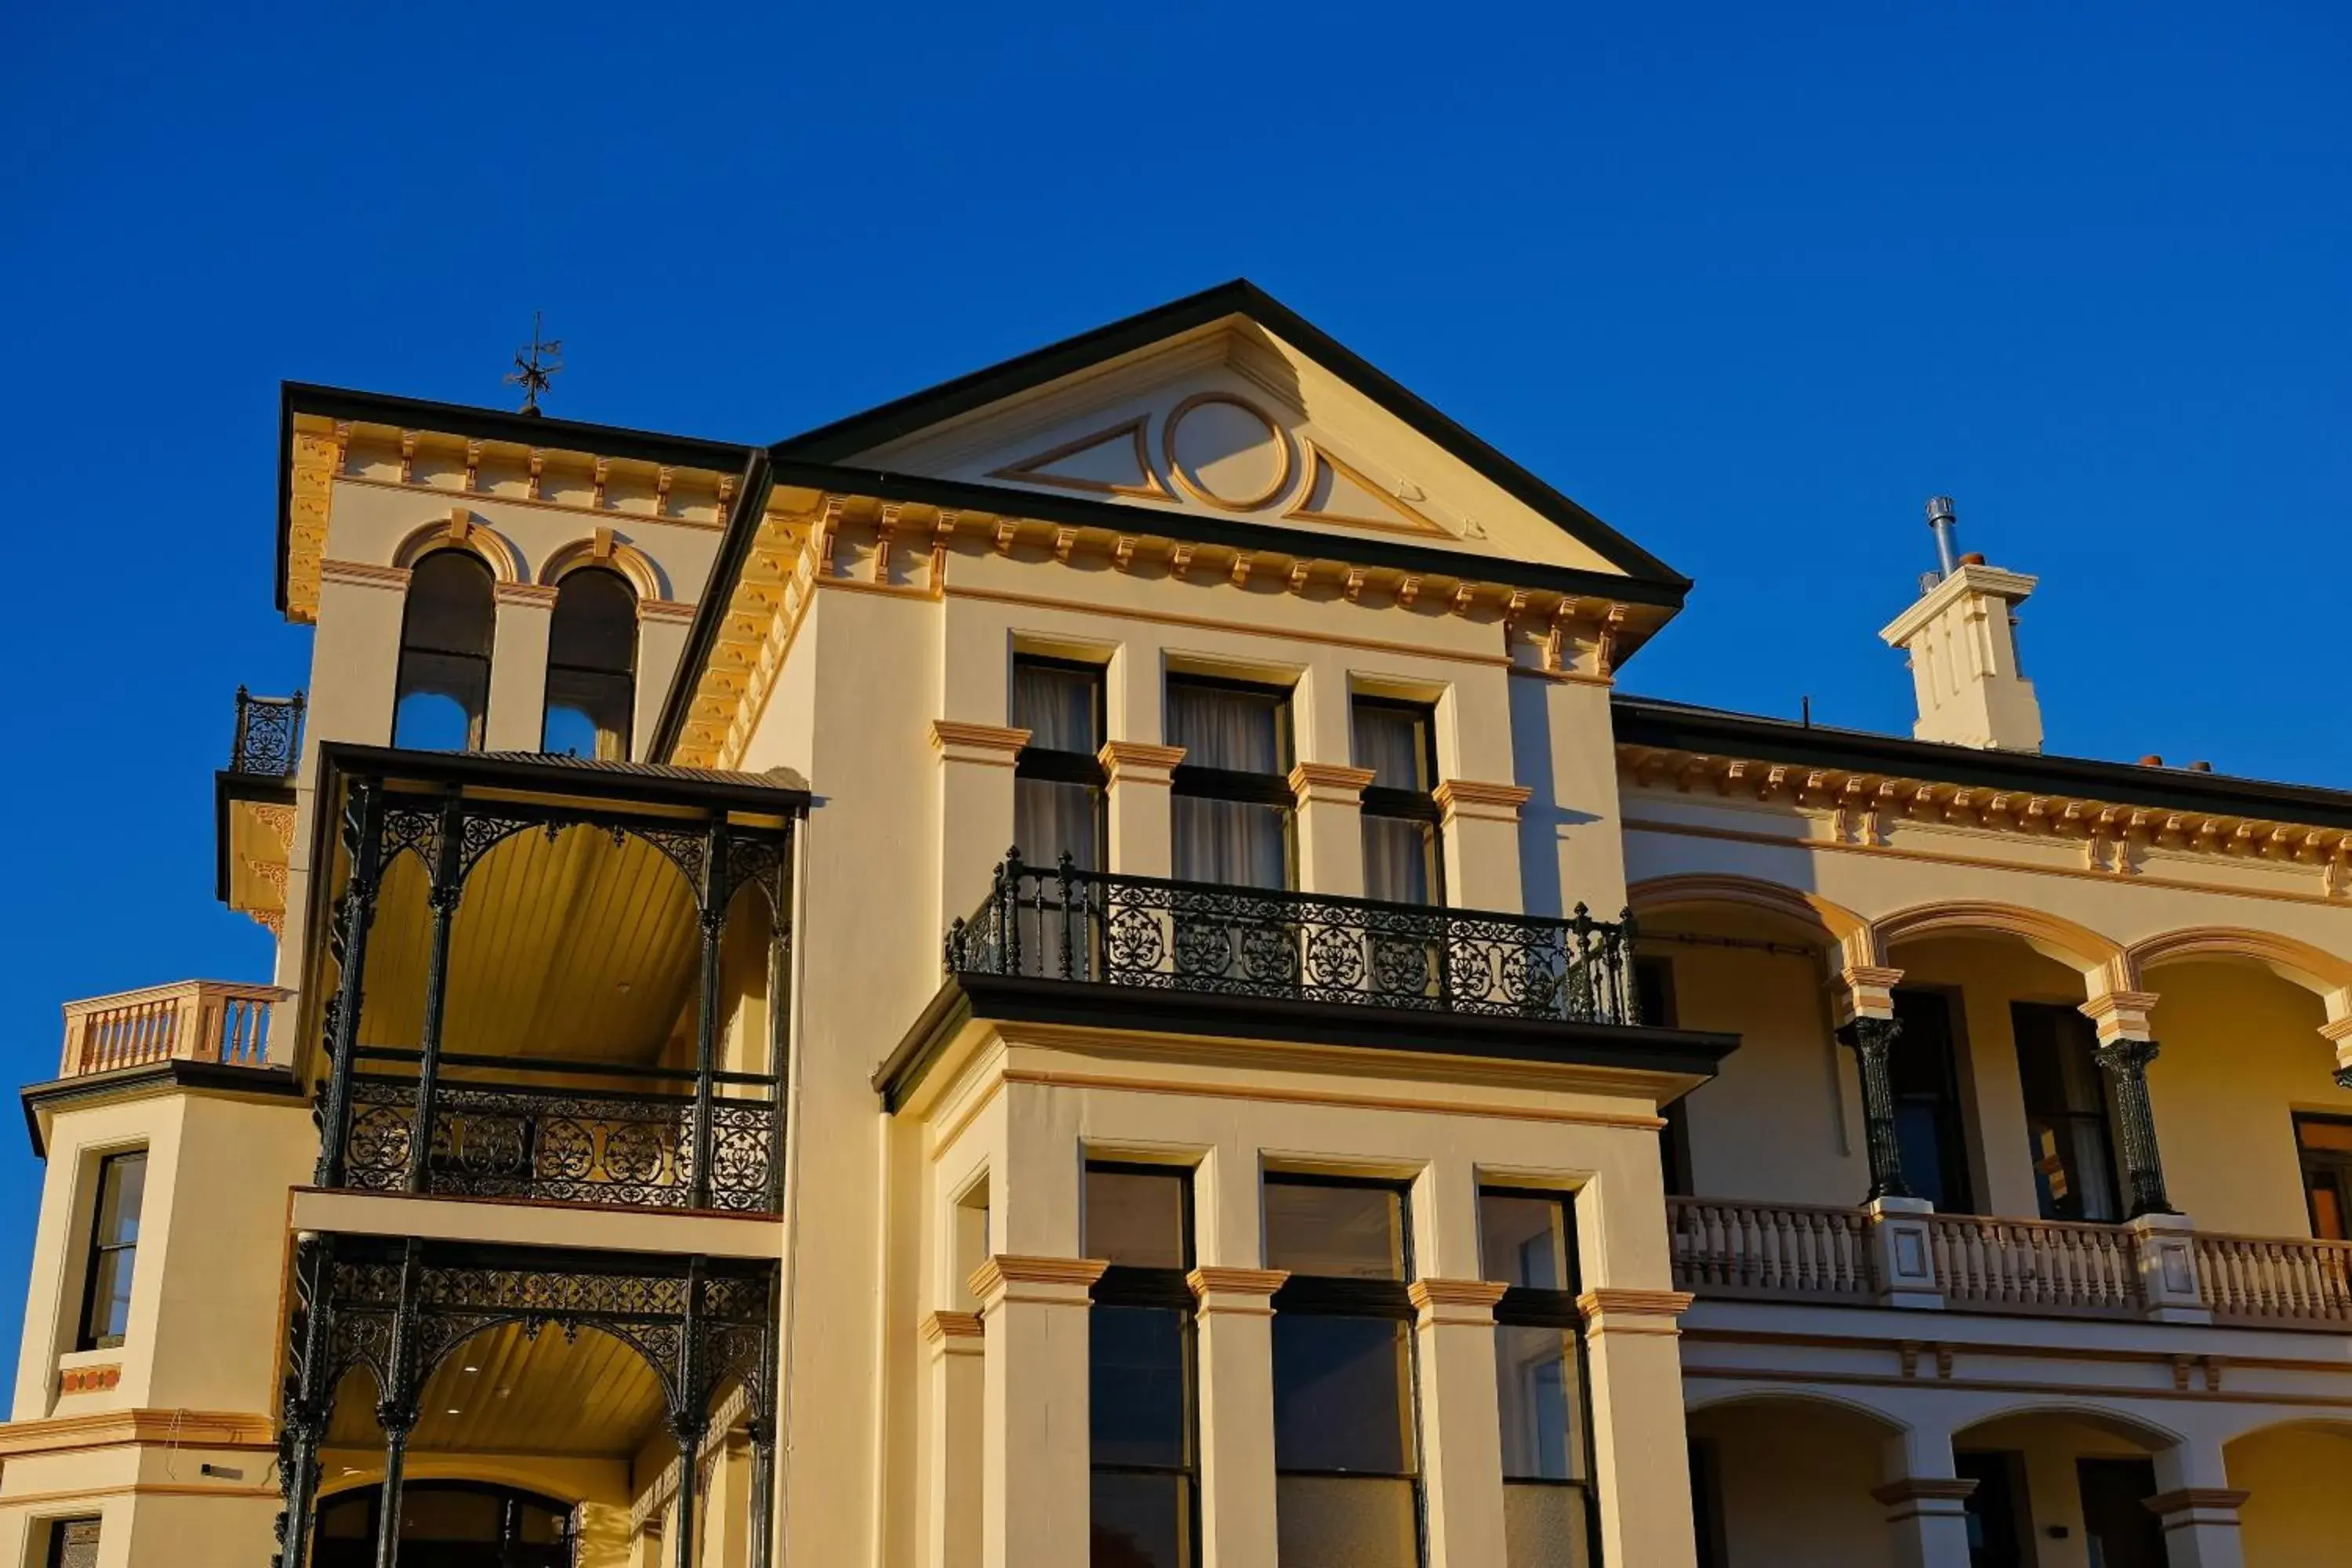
(1062, 945)
(214, 1022)
(269, 742)
(1841, 1258)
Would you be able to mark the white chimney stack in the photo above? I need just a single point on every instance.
(1962, 639)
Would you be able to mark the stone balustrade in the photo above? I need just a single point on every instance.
(219, 1020)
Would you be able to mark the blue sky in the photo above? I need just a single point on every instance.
(1750, 282)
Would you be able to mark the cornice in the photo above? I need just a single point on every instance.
(1235, 1292)
(988, 745)
(1140, 762)
(1620, 1310)
(1042, 1281)
(1328, 783)
(945, 1328)
(675, 610)
(2197, 1499)
(539, 595)
(1924, 1489)
(1486, 802)
(1467, 1303)
(358, 574)
(113, 1428)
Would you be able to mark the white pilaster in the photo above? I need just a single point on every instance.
(1141, 836)
(1330, 827)
(1235, 1317)
(1462, 1453)
(1035, 1476)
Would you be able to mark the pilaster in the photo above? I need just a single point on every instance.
(1928, 1516)
(951, 1457)
(1482, 844)
(2200, 1526)
(517, 721)
(1330, 827)
(1462, 1459)
(976, 763)
(1641, 1456)
(1035, 1478)
(1142, 840)
(1235, 1322)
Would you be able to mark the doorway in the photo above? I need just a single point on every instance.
(2118, 1528)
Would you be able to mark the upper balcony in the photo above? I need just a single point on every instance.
(547, 980)
(1059, 945)
(253, 802)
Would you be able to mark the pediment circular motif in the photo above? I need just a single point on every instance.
(1226, 452)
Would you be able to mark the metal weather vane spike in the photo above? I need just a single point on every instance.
(530, 373)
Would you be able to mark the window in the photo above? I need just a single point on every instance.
(2066, 1113)
(1402, 861)
(1346, 1452)
(2325, 1144)
(1232, 794)
(1140, 1350)
(443, 690)
(1058, 792)
(1653, 998)
(592, 667)
(453, 1523)
(73, 1543)
(113, 1247)
(1528, 1243)
(1928, 1126)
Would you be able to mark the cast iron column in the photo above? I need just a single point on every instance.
(2126, 1063)
(762, 1429)
(689, 1415)
(310, 1399)
(396, 1411)
(364, 826)
(447, 884)
(1871, 1040)
(705, 1061)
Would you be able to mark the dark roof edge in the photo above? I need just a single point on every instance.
(1641, 721)
(277, 1082)
(734, 549)
(1023, 999)
(488, 424)
(345, 759)
(860, 432)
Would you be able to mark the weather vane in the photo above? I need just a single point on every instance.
(530, 373)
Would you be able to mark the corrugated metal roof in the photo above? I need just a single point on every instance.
(774, 778)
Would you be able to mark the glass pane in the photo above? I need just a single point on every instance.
(1542, 1410)
(1056, 706)
(347, 1518)
(1335, 1232)
(1345, 1522)
(1136, 1218)
(1241, 730)
(1050, 820)
(2055, 1061)
(588, 714)
(73, 1543)
(2074, 1173)
(1523, 1241)
(1141, 1521)
(442, 698)
(122, 1193)
(2324, 1132)
(1142, 1385)
(2327, 1211)
(441, 1513)
(1395, 743)
(1342, 1393)
(449, 607)
(1400, 857)
(595, 623)
(109, 1298)
(1545, 1526)
(1232, 842)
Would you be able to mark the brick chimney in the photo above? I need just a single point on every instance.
(1962, 639)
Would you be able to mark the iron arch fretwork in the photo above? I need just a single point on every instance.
(400, 1309)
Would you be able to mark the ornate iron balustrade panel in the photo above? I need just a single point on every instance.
(268, 743)
(1063, 923)
(533, 1143)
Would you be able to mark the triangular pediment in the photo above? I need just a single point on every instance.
(1229, 406)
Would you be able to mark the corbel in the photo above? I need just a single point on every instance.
(1733, 775)
(726, 495)
(1408, 590)
(2243, 838)
(2037, 813)
(1818, 789)
(1465, 596)
(537, 462)
(1122, 553)
(1775, 779)
(1299, 572)
(408, 457)
(1555, 652)
(603, 476)
(1179, 562)
(1066, 545)
(1907, 1355)
(1354, 586)
(2282, 842)
(1922, 801)
(1694, 767)
(885, 530)
(663, 476)
(1961, 806)
(1647, 767)
(473, 465)
(2181, 1367)
(1240, 573)
(1604, 646)
(2208, 836)
(1999, 812)
(1007, 531)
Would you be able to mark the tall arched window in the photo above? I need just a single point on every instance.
(444, 655)
(592, 666)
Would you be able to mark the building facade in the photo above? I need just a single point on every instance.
(1092, 969)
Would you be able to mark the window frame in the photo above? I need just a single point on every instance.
(2311, 1161)
(1132, 1285)
(1958, 1174)
(99, 1250)
(1529, 1306)
(628, 736)
(1199, 783)
(1051, 766)
(2102, 1121)
(1406, 804)
(1328, 1296)
(477, 722)
(52, 1550)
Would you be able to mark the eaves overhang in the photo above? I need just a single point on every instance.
(231, 789)
(1671, 726)
(970, 996)
(42, 1101)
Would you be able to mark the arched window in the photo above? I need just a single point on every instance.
(592, 666)
(449, 1524)
(444, 655)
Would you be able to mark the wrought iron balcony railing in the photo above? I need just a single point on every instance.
(1062, 923)
(269, 742)
(583, 1141)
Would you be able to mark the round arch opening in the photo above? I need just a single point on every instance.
(450, 1525)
